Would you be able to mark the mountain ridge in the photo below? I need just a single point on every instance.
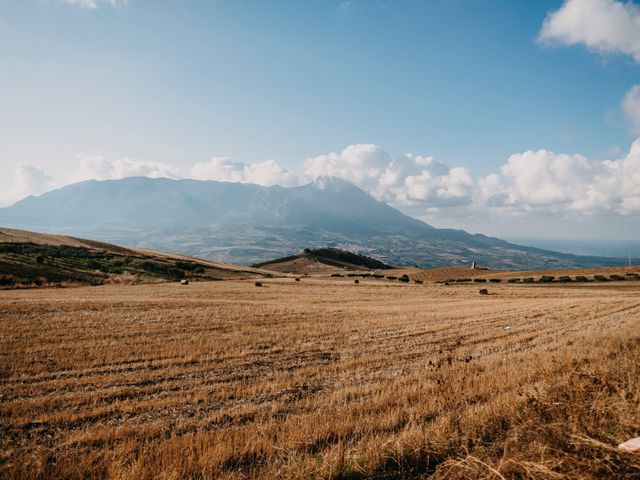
(248, 224)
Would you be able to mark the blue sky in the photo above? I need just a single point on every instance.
(104, 88)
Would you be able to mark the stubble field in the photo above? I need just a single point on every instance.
(319, 379)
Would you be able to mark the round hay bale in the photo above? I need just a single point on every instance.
(258, 284)
(184, 282)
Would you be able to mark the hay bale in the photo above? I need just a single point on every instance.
(184, 282)
(258, 284)
(484, 291)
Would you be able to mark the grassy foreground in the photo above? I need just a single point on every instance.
(319, 379)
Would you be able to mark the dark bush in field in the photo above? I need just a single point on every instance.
(462, 280)
(513, 280)
(564, 279)
(391, 277)
(617, 278)
(581, 278)
(480, 280)
(404, 278)
(527, 280)
(420, 282)
(547, 279)
(495, 280)
(600, 278)
(337, 275)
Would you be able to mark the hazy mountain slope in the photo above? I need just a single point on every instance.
(243, 223)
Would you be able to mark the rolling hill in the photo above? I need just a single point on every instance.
(29, 258)
(249, 224)
(322, 261)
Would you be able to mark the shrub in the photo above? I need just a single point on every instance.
(617, 278)
(6, 281)
(633, 275)
(404, 278)
(546, 279)
(495, 280)
(40, 259)
(479, 280)
(258, 284)
(337, 275)
(420, 282)
(356, 281)
(186, 266)
(391, 277)
(581, 278)
(564, 279)
(462, 280)
(513, 280)
(527, 280)
(484, 291)
(600, 278)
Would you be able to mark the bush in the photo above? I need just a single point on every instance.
(186, 266)
(546, 279)
(391, 277)
(633, 275)
(462, 280)
(495, 280)
(513, 280)
(564, 279)
(600, 278)
(420, 282)
(527, 280)
(617, 278)
(581, 278)
(404, 278)
(337, 275)
(479, 280)
(40, 259)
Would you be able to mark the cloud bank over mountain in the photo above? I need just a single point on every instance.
(528, 182)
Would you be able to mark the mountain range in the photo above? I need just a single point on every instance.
(249, 224)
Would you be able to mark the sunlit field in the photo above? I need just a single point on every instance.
(320, 378)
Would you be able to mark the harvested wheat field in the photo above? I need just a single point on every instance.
(320, 379)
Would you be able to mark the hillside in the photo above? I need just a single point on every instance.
(29, 258)
(250, 224)
(322, 260)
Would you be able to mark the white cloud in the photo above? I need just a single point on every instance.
(27, 180)
(404, 181)
(606, 26)
(224, 169)
(631, 108)
(93, 4)
(99, 168)
(546, 181)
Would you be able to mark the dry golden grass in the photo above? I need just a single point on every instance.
(319, 379)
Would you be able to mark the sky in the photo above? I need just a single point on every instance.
(507, 117)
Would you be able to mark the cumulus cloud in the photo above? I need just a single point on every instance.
(27, 180)
(99, 168)
(607, 26)
(631, 108)
(224, 169)
(545, 181)
(404, 181)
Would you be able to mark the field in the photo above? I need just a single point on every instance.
(320, 378)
